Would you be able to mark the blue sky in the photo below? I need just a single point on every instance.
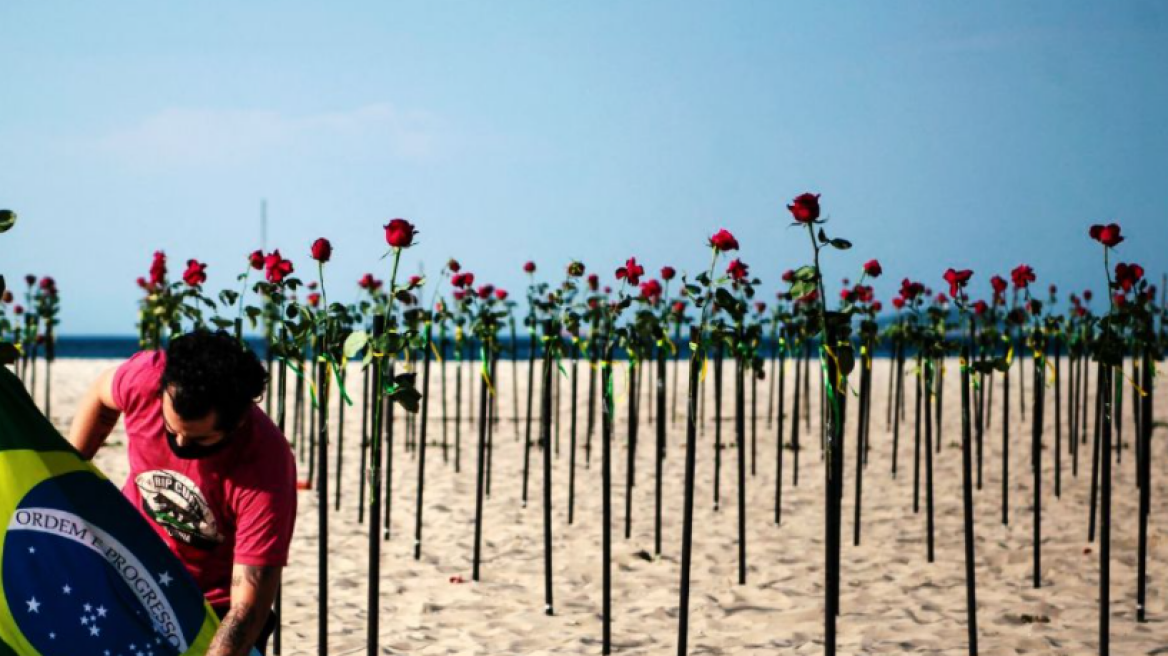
(977, 135)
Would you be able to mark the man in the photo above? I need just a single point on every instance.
(208, 469)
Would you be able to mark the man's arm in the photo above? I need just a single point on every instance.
(97, 414)
(253, 589)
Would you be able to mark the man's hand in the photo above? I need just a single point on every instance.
(253, 589)
(97, 414)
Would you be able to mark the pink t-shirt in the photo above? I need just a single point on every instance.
(236, 505)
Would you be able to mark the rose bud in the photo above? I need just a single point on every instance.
(576, 269)
(1107, 235)
(898, 303)
(788, 275)
(999, 284)
(314, 299)
(366, 281)
(322, 250)
(668, 273)
(485, 291)
(1087, 295)
(453, 266)
(679, 307)
(312, 285)
(399, 233)
(142, 283)
(593, 282)
(759, 307)
(30, 279)
(18, 310)
(872, 269)
(459, 294)
(877, 306)
(529, 267)
(723, 241)
(805, 208)
(501, 294)
(414, 281)
(980, 308)
(256, 260)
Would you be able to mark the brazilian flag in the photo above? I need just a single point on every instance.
(81, 572)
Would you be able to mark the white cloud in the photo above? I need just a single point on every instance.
(185, 136)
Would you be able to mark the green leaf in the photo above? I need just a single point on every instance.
(801, 288)
(355, 342)
(2, 285)
(7, 220)
(222, 323)
(805, 273)
(823, 237)
(841, 244)
(228, 297)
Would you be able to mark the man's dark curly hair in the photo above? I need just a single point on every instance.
(208, 371)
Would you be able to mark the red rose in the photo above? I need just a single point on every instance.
(999, 284)
(1107, 235)
(788, 275)
(414, 281)
(723, 241)
(453, 266)
(910, 290)
(759, 307)
(195, 274)
(873, 269)
(463, 280)
(877, 306)
(737, 270)
(805, 208)
(863, 293)
(631, 272)
(957, 280)
(679, 307)
(366, 281)
(1022, 276)
(141, 283)
(942, 298)
(501, 294)
(17, 310)
(314, 299)
(980, 308)
(1081, 311)
(459, 294)
(1127, 275)
(157, 268)
(485, 291)
(529, 267)
(668, 273)
(898, 303)
(399, 233)
(256, 260)
(322, 250)
(1120, 300)
(48, 284)
(651, 291)
(1087, 295)
(277, 268)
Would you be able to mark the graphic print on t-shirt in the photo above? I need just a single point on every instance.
(176, 503)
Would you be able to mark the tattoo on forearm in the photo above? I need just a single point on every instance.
(234, 633)
(242, 624)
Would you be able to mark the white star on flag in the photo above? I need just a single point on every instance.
(87, 608)
(101, 611)
(34, 606)
(32, 549)
(67, 589)
(93, 631)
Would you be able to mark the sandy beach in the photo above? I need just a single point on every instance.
(893, 601)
